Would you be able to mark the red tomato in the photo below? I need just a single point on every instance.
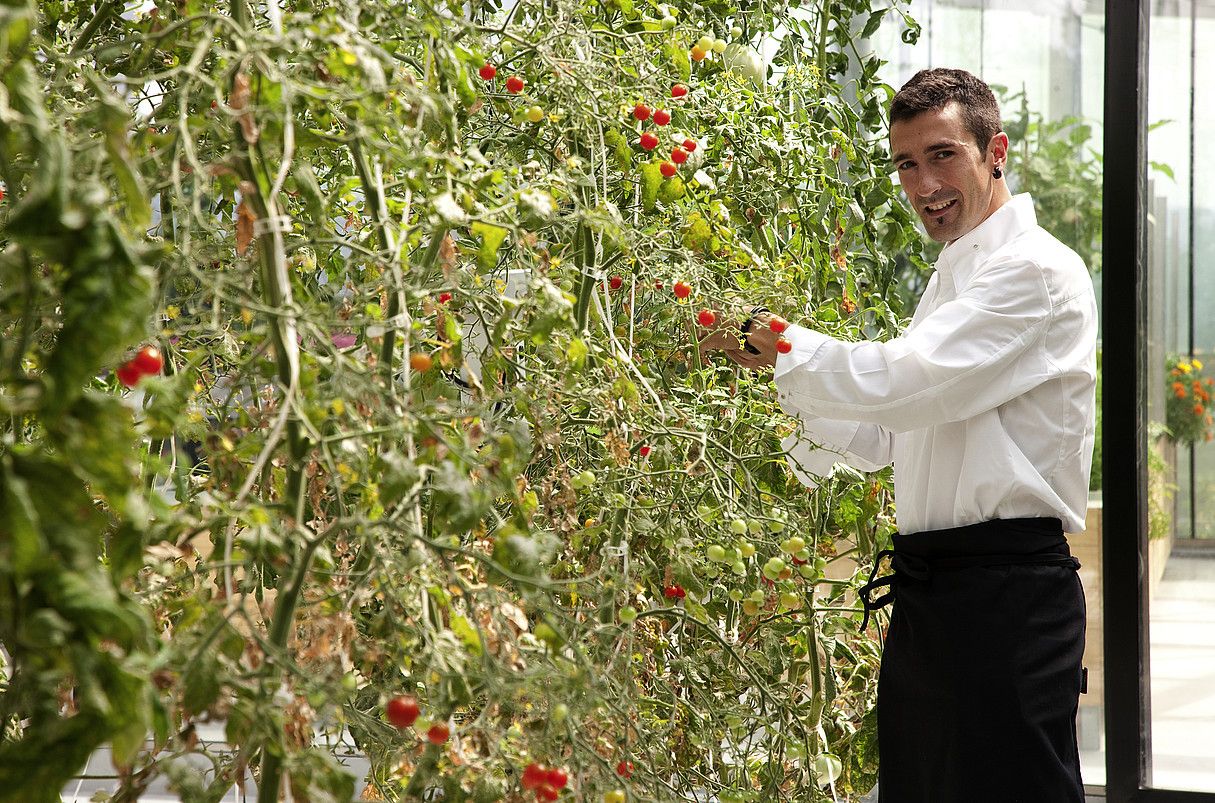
(679, 90)
(557, 778)
(546, 792)
(641, 111)
(649, 141)
(662, 117)
(778, 325)
(668, 169)
(615, 282)
(533, 776)
(644, 451)
(403, 711)
(682, 289)
(674, 592)
(657, 285)
(438, 733)
(444, 298)
(514, 84)
(679, 156)
(783, 345)
(148, 360)
(689, 145)
(128, 374)
(624, 769)
(707, 318)
(421, 362)
(487, 72)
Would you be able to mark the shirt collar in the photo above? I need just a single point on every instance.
(959, 258)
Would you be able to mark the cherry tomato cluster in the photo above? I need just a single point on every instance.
(514, 85)
(546, 782)
(662, 117)
(625, 769)
(146, 362)
(674, 591)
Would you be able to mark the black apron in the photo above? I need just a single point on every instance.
(981, 671)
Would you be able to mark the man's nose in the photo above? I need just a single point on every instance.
(927, 184)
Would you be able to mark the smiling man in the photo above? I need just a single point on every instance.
(985, 406)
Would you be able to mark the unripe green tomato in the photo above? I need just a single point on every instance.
(586, 479)
(803, 553)
(535, 114)
(731, 555)
(668, 23)
(704, 511)
(560, 712)
(739, 568)
(614, 796)
(710, 570)
(735, 595)
(807, 571)
(746, 549)
(776, 526)
(790, 600)
(705, 43)
(566, 284)
(754, 527)
(820, 565)
(627, 614)
(773, 568)
(751, 608)
(719, 45)
(738, 527)
(716, 553)
(757, 596)
(736, 32)
(350, 682)
(618, 500)
(794, 544)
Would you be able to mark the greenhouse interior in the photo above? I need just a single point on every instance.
(521, 400)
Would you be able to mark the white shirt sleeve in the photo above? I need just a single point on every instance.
(813, 451)
(962, 359)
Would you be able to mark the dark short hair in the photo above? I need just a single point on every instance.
(929, 90)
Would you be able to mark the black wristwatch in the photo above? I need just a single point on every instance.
(745, 326)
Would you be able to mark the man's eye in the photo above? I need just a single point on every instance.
(944, 154)
(903, 166)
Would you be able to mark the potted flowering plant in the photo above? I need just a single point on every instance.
(1188, 412)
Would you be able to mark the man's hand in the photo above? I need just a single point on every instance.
(726, 336)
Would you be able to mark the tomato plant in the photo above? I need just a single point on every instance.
(390, 448)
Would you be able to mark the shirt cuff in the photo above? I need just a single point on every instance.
(806, 343)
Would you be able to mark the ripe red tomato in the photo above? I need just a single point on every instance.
(679, 156)
(533, 776)
(557, 778)
(778, 325)
(644, 451)
(444, 298)
(148, 360)
(668, 169)
(658, 285)
(438, 733)
(402, 711)
(689, 145)
(624, 769)
(674, 592)
(662, 117)
(641, 111)
(514, 84)
(649, 141)
(615, 282)
(487, 72)
(679, 90)
(682, 289)
(546, 792)
(128, 374)
(783, 345)
(707, 318)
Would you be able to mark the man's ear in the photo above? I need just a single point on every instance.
(998, 147)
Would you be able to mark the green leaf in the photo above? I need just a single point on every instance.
(492, 237)
(651, 182)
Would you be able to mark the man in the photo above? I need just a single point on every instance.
(985, 406)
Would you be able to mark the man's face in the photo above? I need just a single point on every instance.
(944, 174)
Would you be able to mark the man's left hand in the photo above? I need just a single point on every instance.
(726, 337)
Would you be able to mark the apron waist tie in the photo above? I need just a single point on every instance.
(904, 565)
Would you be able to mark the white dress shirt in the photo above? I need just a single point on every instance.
(985, 404)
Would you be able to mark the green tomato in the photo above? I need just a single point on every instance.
(350, 682)
(719, 45)
(820, 565)
(757, 596)
(807, 571)
(705, 43)
(535, 114)
(559, 713)
(736, 31)
(716, 553)
(704, 511)
(738, 527)
(739, 568)
(803, 553)
(585, 480)
(754, 527)
(773, 568)
(751, 608)
(776, 526)
(790, 600)
(668, 23)
(735, 595)
(746, 549)
(794, 544)
(627, 614)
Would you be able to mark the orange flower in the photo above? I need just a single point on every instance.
(1199, 409)
(1206, 397)
(1179, 393)
(1178, 388)
(1209, 382)
(1176, 372)
(1197, 387)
